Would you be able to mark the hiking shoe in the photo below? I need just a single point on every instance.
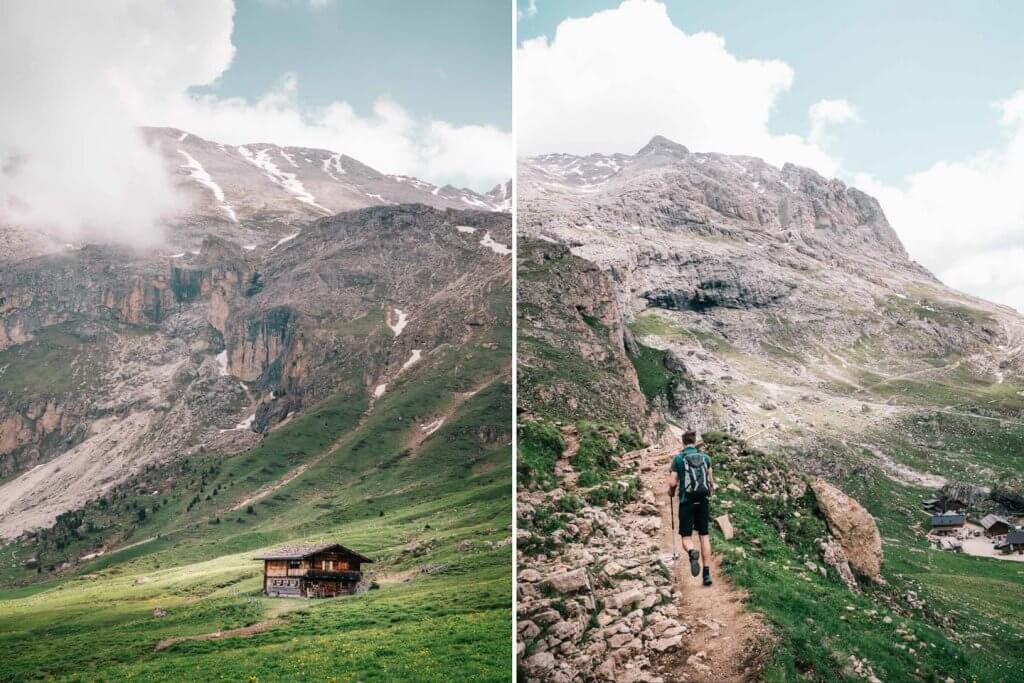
(694, 563)
(707, 576)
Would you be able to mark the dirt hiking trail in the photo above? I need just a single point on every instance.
(244, 632)
(726, 641)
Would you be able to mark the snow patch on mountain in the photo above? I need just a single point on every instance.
(401, 320)
(287, 238)
(287, 157)
(432, 427)
(496, 247)
(413, 359)
(199, 174)
(222, 363)
(287, 181)
(332, 165)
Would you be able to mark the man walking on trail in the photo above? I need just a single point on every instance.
(691, 473)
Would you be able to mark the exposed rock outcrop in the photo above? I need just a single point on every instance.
(854, 529)
(573, 356)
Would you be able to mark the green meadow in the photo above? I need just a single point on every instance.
(434, 512)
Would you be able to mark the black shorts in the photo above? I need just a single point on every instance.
(694, 513)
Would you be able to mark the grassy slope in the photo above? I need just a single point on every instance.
(966, 599)
(372, 494)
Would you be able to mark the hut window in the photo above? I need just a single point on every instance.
(294, 564)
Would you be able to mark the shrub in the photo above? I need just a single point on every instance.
(540, 445)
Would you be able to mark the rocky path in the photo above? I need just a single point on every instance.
(725, 638)
(606, 602)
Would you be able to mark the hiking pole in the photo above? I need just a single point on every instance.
(672, 512)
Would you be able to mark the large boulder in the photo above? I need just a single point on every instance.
(959, 494)
(854, 529)
(1010, 493)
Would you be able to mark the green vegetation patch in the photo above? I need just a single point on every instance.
(540, 444)
(654, 376)
(56, 361)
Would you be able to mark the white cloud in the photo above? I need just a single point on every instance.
(73, 162)
(71, 159)
(825, 113)
(610, 81)
(965, 219)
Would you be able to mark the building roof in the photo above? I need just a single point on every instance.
(989, 521)
(299, 551)
(948, 520)
(1015, 537)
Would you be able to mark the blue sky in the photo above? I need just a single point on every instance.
(449, 60)
(923, 75)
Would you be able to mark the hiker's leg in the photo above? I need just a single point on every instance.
(703, 518)
(705, 549)
(686, 520)
(686, 513)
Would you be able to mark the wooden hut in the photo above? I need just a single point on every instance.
(1014, 542)
(947, 523)
(312, 570)
(994, 525)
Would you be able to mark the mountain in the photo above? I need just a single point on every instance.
(258, 193)
(775, 282)
(779, 307)
(314, 355)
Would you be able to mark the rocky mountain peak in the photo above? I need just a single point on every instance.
(659, 144)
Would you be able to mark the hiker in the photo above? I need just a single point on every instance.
(692, 467)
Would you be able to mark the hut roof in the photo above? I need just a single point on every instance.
(948, 520)
(989, 521)
(1015, 537)
(301, 551)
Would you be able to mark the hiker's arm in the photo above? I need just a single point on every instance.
(711, 481)
(673, 482)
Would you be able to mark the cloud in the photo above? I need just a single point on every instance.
(826, 113)
(72, 160)
(965, 219)
(610, 81)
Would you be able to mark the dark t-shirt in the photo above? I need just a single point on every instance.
(677, 467)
